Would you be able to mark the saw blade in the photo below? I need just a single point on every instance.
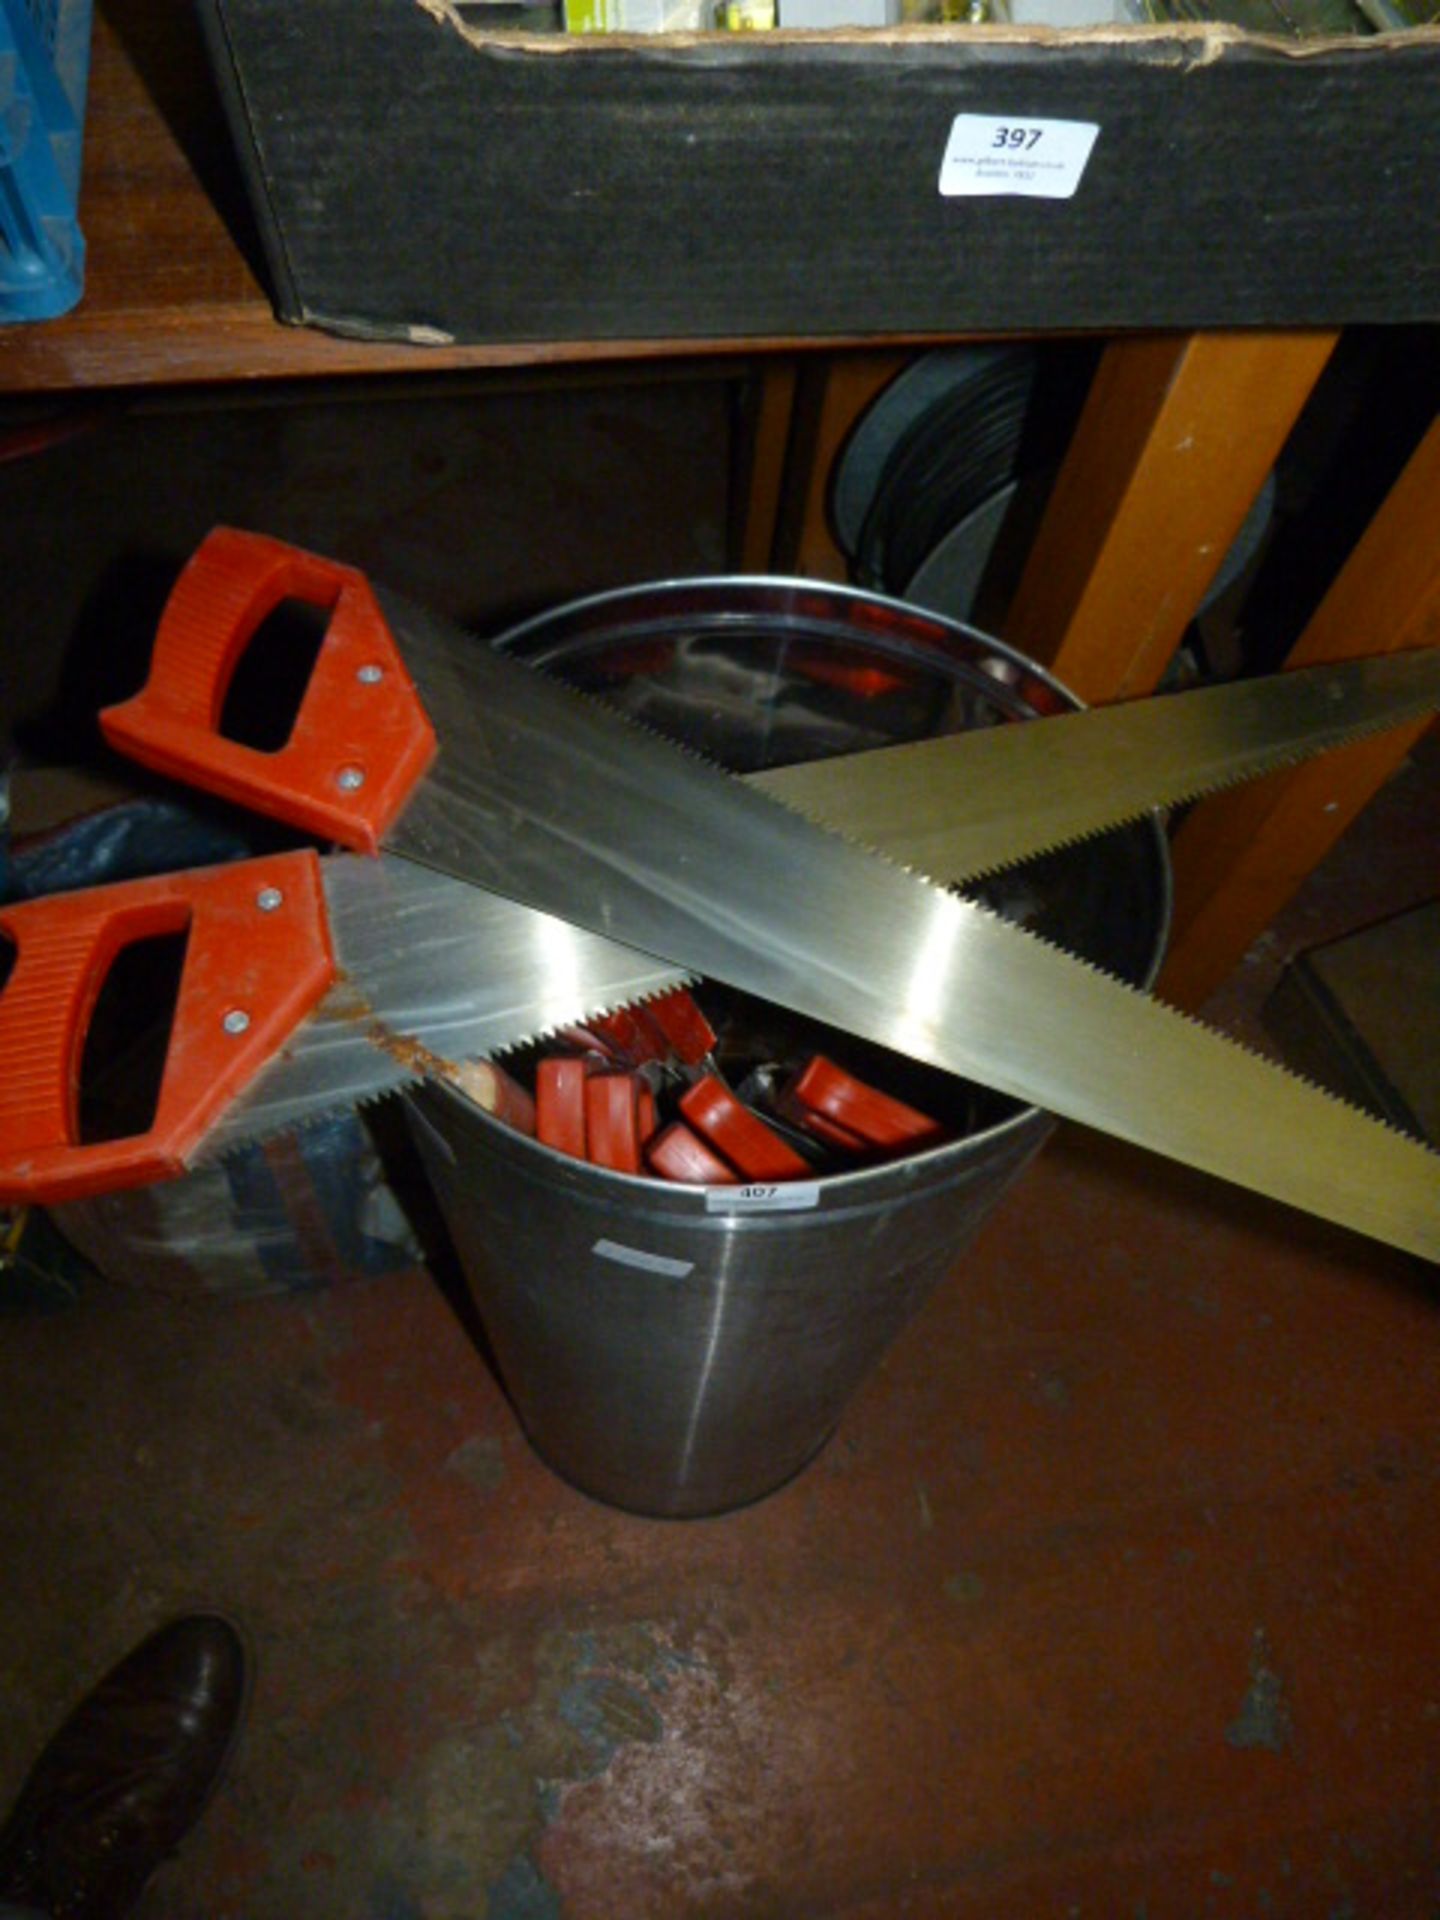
(412, 934)
(432, 973)
(555, 801)
(959, 806)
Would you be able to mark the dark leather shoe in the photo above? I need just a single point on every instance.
(127, 1775)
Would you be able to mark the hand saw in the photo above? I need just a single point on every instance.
(958, 812)
(309, 984)
(493, 804)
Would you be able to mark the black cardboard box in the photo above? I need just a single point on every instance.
(417, 178)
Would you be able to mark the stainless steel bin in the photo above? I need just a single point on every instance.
(683, 1351)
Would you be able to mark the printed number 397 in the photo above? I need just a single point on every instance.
(1026, 137)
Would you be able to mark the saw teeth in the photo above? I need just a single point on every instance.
(756, 794)
(589, 698)
(687, 981)
(229, 1148)
(856, 841)
(1150, 1009)
(208, 1156)
(1294, 756)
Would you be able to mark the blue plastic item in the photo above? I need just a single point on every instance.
(44, 69)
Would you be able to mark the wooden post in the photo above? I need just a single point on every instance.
(849, 381)
(1240, 855)
(1175, 440)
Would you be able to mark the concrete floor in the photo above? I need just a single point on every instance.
(1114, 1594)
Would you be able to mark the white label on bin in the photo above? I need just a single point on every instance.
(780, 1196)
(638, 1257)
(1005, 153)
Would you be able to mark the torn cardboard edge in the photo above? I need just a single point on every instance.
(1198, 44)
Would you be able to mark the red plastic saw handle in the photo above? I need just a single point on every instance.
(612, 1121)
(688, 1034)
(877, 1118)
(678, 1154)
(361, 738)
(726, 1124)
(257, 960)
(560, 1105)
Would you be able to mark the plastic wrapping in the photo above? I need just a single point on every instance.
(286, 1215)
(124, 842)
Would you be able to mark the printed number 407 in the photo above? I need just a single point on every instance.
(1023, 137)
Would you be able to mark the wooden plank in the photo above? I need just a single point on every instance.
(176, 288)
(846, 385)
(1240, 855)
(1175, 441)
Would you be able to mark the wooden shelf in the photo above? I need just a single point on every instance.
(173, 291)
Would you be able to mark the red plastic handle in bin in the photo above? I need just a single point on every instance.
(560, 1105)
(622, 1036)
(604, 1118)
(729, 1126)
(670, 1025)
(877, 1118)
(613, 1121)
(678, 1154)
(361, 738)
(257, 959)
(686, 1032)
